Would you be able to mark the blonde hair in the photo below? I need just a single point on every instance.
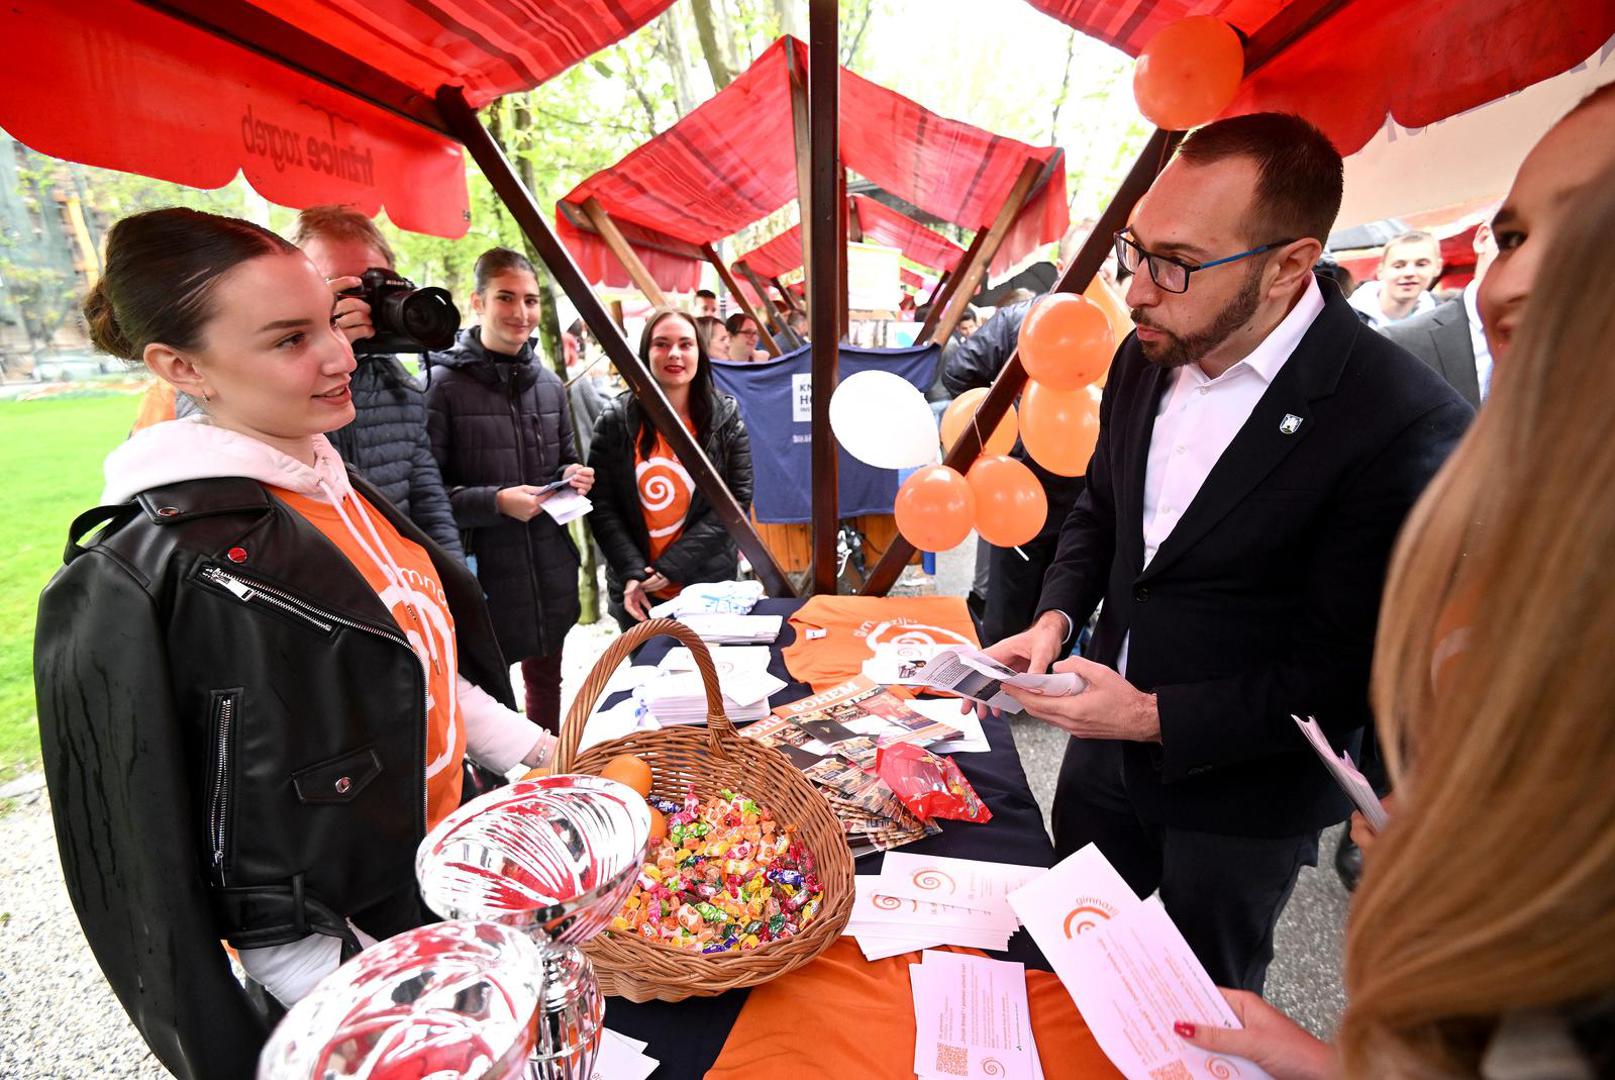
(1493, 889)
(341, 223)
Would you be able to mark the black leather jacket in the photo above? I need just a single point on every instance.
(233, 732)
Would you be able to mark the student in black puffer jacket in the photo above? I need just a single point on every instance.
(501, 429)
(657, 532)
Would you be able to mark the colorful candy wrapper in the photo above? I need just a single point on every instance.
(930, 786)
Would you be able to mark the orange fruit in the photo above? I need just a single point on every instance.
(533, 774)
(658, 826)
(630, 770)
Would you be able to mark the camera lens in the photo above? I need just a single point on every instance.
(427, 315)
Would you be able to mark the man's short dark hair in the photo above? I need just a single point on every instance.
(706, 294)
(1299, 172)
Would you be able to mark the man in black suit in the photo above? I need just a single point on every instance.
(1258, 450)
(1449, 338)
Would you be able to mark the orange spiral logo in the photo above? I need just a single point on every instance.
(992, 1067)
(1084, 917)
(931, 881)
(1221, 1068)
(887, 903)
(663, 485)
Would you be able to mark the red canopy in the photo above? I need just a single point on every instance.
(881, 225)
(119, 85)
(733, 160)
(1417, 62)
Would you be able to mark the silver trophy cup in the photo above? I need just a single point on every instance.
(553, 857)
(455, 999)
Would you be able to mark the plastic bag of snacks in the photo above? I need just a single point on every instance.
(929, 785)
(726, 876)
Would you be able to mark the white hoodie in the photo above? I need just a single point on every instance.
(1366, 300)
(194, 449)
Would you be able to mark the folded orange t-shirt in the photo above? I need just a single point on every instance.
(854, 625)
(845, 1016)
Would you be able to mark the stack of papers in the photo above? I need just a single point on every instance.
(1128, 969)
(971, 1019)
(565, 504)
(1351, 781)
(621, 1058)
(725, 629)
(711, 597)
(919, 901)
(681, 697)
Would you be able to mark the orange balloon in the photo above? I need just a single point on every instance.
(1010, 504)
(630, 770)
(1188, 73)
(1060, 427)
(962, 410)
(1101, 294)
(1066, 341)
(935, 509)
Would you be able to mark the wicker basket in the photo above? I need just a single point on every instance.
(709, 759)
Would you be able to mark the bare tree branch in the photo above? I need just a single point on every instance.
(706, 30)
(1065, 87)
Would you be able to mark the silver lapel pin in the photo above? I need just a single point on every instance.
(1290, 424)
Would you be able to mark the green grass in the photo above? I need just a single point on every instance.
(50, 470)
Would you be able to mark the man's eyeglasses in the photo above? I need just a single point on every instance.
(1172, 274)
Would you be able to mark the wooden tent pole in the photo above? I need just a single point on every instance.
(1007, 386)
(787, 335)
(826, 251)
(971, 273)
(463, 121)
(624, 251)
(729, 283)
(788, 296)
(946, 288)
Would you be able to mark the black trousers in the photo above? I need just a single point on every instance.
(1224, 892)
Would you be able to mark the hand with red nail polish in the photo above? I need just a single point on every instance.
(1266, 1037)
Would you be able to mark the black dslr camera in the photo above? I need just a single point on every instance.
(407, 319)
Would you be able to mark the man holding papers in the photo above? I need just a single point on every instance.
(1257, 453)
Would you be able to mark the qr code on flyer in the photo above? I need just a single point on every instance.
(952, 1061)
(1173, 1071)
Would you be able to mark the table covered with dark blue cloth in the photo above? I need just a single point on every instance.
(687, 1036)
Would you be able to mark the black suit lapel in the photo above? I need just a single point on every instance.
(1135, 456)
(1281, 421)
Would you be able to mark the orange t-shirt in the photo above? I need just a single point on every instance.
(665, 489)
(854, 625)
(429, 629)
(802, 1023)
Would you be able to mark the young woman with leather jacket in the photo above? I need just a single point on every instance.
(257, 683)
(657, 532)
(501, 430)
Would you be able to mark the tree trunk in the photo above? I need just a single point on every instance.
(672, 44)
(1065, 88)
(706, 30)
(790, 18)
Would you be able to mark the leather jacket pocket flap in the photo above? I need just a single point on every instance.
(339, 780)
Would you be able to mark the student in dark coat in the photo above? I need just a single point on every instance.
(659, 533)
(500, 430)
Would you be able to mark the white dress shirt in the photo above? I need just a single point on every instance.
(1199, 416)
(1477, 341)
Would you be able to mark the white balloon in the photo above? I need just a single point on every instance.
(882, 420)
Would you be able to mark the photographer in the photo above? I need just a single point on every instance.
(386, 442)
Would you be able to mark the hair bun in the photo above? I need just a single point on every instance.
(105, 332)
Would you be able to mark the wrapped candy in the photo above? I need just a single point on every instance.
(930, 786)
(727, 876)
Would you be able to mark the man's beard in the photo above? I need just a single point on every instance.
(1179, 349)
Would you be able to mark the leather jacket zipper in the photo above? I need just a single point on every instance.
(249, 592)
(218, 815)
